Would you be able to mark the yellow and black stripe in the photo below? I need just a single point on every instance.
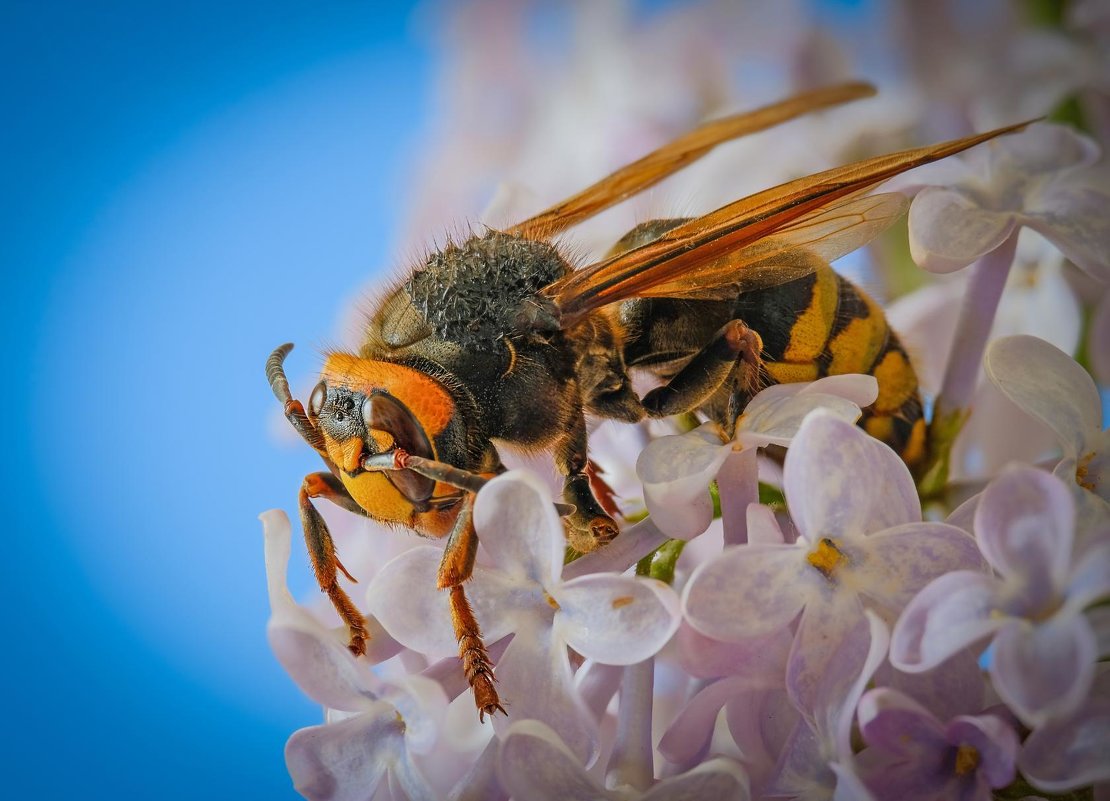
(822, 325)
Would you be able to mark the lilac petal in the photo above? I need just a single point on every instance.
(277, 537)
(948, 231)
(963, 516)
(704, 657)
(1025, 525)
(616, 620)
(345, 761)
(717, 778)
(895, 723)
(1092, 512)
(1090, 579)
(802, 770)
(689, 734)
(405, 780)
(312, 655)
(518, 526)
(1074, 220)
(422, 704)
(951, 613)
(840, 482)
(536, 764)
(831, 630)
(762, 525)
(597, 684)
(994, 739)
(503, 603)
(481, 782)
(535, 681)
(1068, 403)
(843, 705)
(1069, 754)
(849, 786)
(748, 591)
(776, 422)
(956, 687)
(1044, 671)
(1045, 148)
(822, 737)
(320, 665)
(862, 390)
(676, 472)
(761, 724)
(897, 563)
(404, 598)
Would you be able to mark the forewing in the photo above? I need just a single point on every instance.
(819, 214)
(791, 252)
(681, 152)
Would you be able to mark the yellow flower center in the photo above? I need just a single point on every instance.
(826, 557)
(967, 759)
(551, 602)
(1081, 469)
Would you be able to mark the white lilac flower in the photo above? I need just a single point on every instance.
(916, 757)
(1042, 647)
(862, 546)
(1034, 178)
(536, 764)
(613, 619)
(373, 728)
(1047, 384)
(676, 470)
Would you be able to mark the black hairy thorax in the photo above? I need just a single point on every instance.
(472, 293)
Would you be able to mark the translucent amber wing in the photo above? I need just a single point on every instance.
(791, 252)
(654, 167)
(826, 210)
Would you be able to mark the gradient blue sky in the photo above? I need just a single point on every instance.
(171, 172)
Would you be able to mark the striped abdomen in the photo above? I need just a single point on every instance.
(824, 325)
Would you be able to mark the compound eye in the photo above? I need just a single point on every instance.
(317, 398)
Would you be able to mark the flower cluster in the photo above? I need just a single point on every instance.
(787, 612)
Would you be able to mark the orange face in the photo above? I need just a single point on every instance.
(367, 407)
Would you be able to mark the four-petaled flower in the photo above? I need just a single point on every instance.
(373, 728)
(1043, 649)
(613, 619)
(1032, 178)
(862, 545)
(676, 470)
(915, 757)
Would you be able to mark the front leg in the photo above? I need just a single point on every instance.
(734, 350)
(589, 527)
(321, 550)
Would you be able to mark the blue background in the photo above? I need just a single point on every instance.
(185, 187)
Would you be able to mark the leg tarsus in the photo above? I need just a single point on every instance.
(475, 659)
